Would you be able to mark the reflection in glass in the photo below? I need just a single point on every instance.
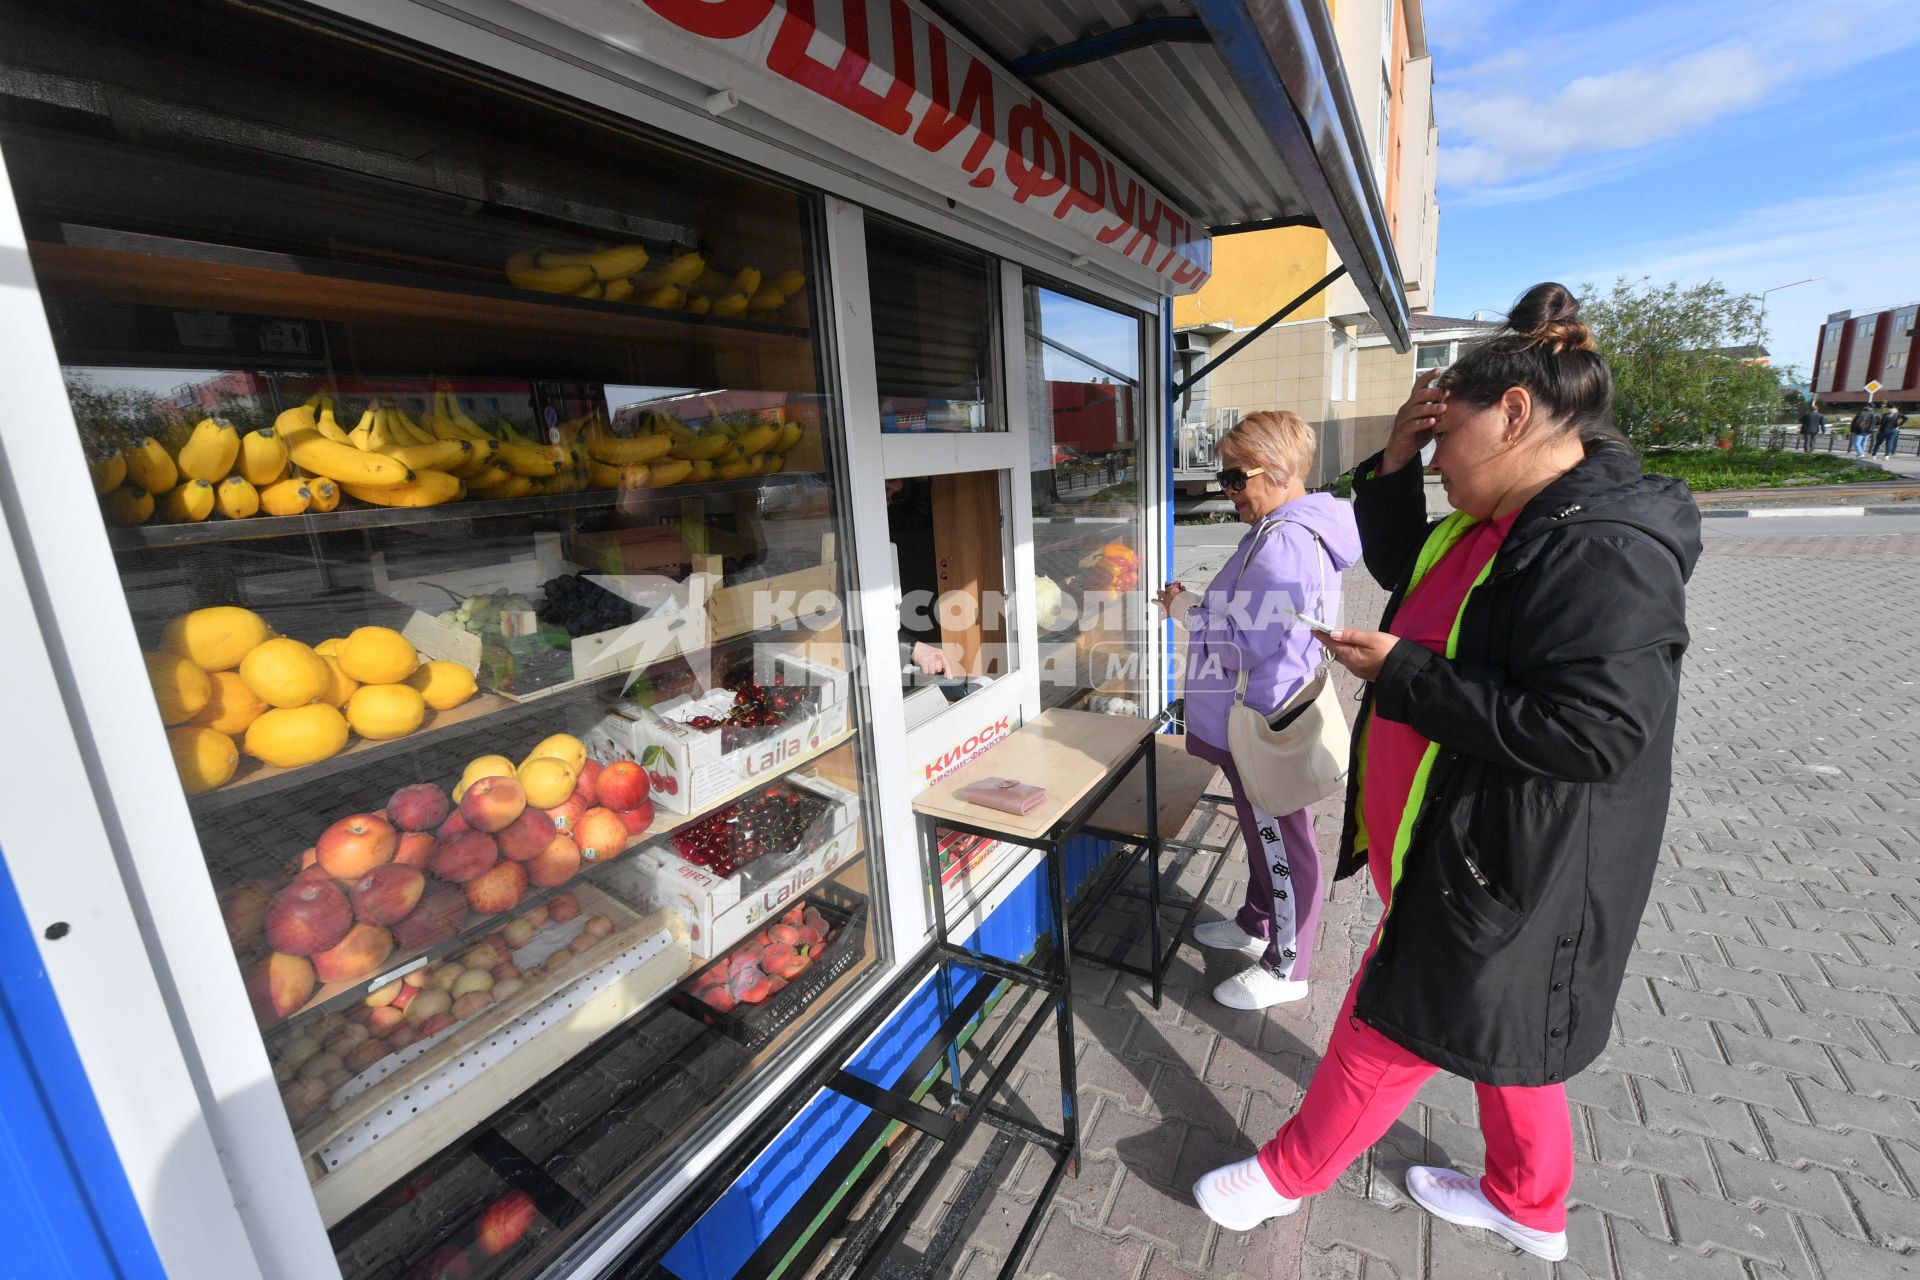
(933, 332)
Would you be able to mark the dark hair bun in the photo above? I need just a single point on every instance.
(1549, 314)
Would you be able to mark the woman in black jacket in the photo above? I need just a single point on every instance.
(1511, 770)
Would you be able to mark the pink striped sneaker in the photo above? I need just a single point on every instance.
(1239, 1197)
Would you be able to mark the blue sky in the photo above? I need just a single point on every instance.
(1753, 143)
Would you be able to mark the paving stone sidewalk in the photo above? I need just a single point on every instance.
(1758, 1114)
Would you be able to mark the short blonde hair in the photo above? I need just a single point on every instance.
(1278, 439)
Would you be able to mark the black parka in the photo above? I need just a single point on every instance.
(1534, 848)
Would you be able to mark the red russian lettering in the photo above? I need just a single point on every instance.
(1040, 173)
(1082, 158)
(714, 19)
(944, 118)
(841, 82)
(1125, 195)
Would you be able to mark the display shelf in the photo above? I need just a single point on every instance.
(230, 279)
(342, 995)
(634, 503)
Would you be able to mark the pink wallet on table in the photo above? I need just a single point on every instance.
(1005, 794)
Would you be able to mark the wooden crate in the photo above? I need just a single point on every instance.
(766, 602)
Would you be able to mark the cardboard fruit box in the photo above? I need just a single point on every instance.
(721, 909)
(690, 768)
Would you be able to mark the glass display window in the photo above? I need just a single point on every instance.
(472, 467)
(1087, 459)
(934, 332)
(950, 558)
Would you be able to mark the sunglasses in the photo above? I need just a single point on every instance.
(1235, 478)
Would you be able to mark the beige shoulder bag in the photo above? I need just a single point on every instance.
(1300, 754)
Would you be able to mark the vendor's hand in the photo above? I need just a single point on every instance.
(1413, 425)
(1362, 652)
(1166, 597)
(930, 660)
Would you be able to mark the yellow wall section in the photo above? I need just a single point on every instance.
(1255, 273)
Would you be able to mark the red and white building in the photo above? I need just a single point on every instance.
(1871, 346)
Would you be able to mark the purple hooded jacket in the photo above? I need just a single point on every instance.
(1249, 624)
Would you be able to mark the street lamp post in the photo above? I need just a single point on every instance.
(1777, 288)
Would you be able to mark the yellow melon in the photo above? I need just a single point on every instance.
(293, 736)
(482, 767)
(181, 687)
(285, 673)
(204, 757)
(330, 647)
(377, 655)
(232, 707)
(381, 711)
(548, 781)
(340, 685)
(445, 685)
(564, 746)
(215, 639)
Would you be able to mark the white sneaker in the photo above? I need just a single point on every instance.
(1258, 987)
(1227, 935)
(1455, 1197)
(1239, 1197)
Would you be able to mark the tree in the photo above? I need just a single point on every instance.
(1678, 372)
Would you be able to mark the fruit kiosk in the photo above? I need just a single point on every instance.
(471, 476)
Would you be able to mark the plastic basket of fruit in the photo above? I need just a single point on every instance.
(765, 982)
(755, 836)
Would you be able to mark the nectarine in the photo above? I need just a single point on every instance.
(419, 807)
(464, 857)
(358, 955)
(492, 803)
(387, 894)
(279, 985)
(524, 837)
(497, 889)
(558, 863)
(600, 834)
(308, 917)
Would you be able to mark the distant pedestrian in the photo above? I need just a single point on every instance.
(1812, 423)
(1887, 437)
(1862, 430)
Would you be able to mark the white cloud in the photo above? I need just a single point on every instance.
(1553, 103)
(1864, 244)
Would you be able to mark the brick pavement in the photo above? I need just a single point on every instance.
(1758, 1114)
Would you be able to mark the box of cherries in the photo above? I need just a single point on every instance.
(756, 725)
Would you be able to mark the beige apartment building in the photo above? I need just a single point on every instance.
(1327, 360)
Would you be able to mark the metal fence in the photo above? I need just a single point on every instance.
(1789, 438)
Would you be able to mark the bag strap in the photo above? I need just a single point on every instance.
(1326, 655)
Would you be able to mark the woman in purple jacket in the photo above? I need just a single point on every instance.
(1291, 559)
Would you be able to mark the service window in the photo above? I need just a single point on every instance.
(934, 335)
(1087, 459)
(950, 560)
(473, 472)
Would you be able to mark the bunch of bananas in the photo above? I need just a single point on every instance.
(684, 282)
(212, 470)
(666, 451)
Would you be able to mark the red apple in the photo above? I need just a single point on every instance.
(416, 849)
(524, 837)
(435, 1025)
(307, 917)
(464, 857)
(622, 785)
(384, 1019)
(504, 1222)
(279, 985)
(568, 812)
(586, 786)
(356, 845)
(600, 833)
(563, 908)
(497, 889)
(558, 863)
(455, 825)
(437, 918)
(719, 999)
(358, 955)
(492, 803)
(419, 807)
(408, 991)
(402, 1036)
(636, 821)
(387, 894)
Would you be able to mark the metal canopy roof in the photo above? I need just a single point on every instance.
(1237, 108)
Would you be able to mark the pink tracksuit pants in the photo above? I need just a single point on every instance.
(1363, 1084)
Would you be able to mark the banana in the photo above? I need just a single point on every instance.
(775, 462)
(524, 460)
(236, 498)
(789, 282)
(681, 272)
(188, 503)
(129, 505)
(441, 455)
(668, 297)
(617, 290)
(766, 299)
(409, 431)
(108, 473)
(476, 461)
(747, 281)
(151, 467)
(210, 452)
(603, 475)
(604, 446)
(730, 306)
(428, 489)
(758, 438)
(524, 270)
(468, 427)
(592, 289)
(263, 457)
(328, 427)
(607, 264)
(512, 487)
(669, 471)
(700, 306)
(287, 498)
(790, 433)
(490, 476)
(732, 471)
(361, 437)
(326, 494)
(705, 444)
(344, 464)
(701, 473)
(710, 282)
